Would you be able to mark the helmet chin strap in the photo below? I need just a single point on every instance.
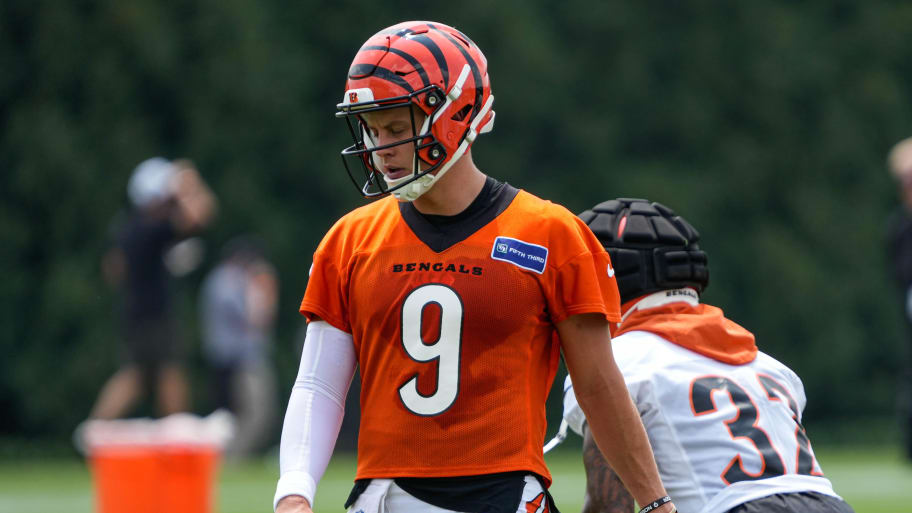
(421, 185)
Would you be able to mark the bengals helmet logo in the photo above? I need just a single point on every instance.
(353, 97)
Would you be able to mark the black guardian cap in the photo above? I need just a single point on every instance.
(651, 247)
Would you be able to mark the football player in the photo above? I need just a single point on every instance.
(446, 295)
(723, 419)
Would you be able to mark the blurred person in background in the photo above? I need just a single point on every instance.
(723, 419)
(445, 296)
(899, 162)
(238, 308)
(170, 202)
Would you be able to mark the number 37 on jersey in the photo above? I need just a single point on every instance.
(766, 421)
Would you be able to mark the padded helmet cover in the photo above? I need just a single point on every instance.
(651, 247)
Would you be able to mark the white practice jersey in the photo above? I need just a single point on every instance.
(722, 434)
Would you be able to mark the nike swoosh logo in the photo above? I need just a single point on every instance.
(610, 271)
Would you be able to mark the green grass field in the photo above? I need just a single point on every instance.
(871, 480)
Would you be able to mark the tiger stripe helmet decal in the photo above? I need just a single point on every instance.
(438, 70)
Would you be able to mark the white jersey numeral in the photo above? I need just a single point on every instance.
(445, 350)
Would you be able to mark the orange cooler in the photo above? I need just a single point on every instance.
(154, 478)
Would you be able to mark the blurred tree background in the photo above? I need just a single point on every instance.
(766, 124)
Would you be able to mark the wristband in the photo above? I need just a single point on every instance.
(655, 504)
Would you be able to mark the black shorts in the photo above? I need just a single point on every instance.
(152, 342)
(803, 502)
(489, 493)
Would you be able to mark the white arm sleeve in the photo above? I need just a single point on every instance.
(573, 414)
(315, 410)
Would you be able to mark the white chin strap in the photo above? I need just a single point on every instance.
(416, 188)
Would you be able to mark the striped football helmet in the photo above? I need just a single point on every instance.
(441, 73)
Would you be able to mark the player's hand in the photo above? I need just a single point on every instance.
(293, 504)
(187, 179)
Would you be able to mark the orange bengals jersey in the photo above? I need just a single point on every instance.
(455, 346)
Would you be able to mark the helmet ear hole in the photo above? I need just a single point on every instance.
(463, 112)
